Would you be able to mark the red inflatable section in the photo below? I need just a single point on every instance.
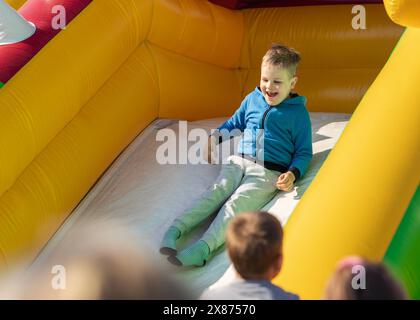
(40, 12)
(242, 4)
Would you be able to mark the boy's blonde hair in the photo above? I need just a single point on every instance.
(254, 242)
(280, 55)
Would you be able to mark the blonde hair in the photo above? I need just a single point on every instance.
(254, 243)
(101, 262)
(280, 55)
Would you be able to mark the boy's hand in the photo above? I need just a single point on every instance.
(285, 181)
(210, 150)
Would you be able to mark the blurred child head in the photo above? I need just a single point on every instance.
(278, 73)
(254, 243)
(99, 262)
(359, 279)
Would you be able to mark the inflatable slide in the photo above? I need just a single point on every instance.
(80, 115)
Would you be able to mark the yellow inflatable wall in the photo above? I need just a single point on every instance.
(122, 63)
(16, 3)
(360, 195)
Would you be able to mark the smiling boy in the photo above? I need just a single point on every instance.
(279, 122)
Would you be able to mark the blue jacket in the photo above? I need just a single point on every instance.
(287, 131)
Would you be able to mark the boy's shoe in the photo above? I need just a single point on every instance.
(195, 255)
(168, 244)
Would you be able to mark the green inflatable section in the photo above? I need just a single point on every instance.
(403, 255)
(1, 84)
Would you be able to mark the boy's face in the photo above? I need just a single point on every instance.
(276, 83)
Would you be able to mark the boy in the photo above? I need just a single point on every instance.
(251, 180)
(254, 243)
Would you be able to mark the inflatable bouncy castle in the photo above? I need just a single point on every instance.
(80, 108)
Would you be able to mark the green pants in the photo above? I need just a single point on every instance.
(241, 186)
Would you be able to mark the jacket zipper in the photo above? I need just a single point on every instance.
(261, 131)
(264, 116)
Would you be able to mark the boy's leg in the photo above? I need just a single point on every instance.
(228, 180)
(257, 189)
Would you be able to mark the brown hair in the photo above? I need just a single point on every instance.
(280, 55)
(254, 242)
(379, 283)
